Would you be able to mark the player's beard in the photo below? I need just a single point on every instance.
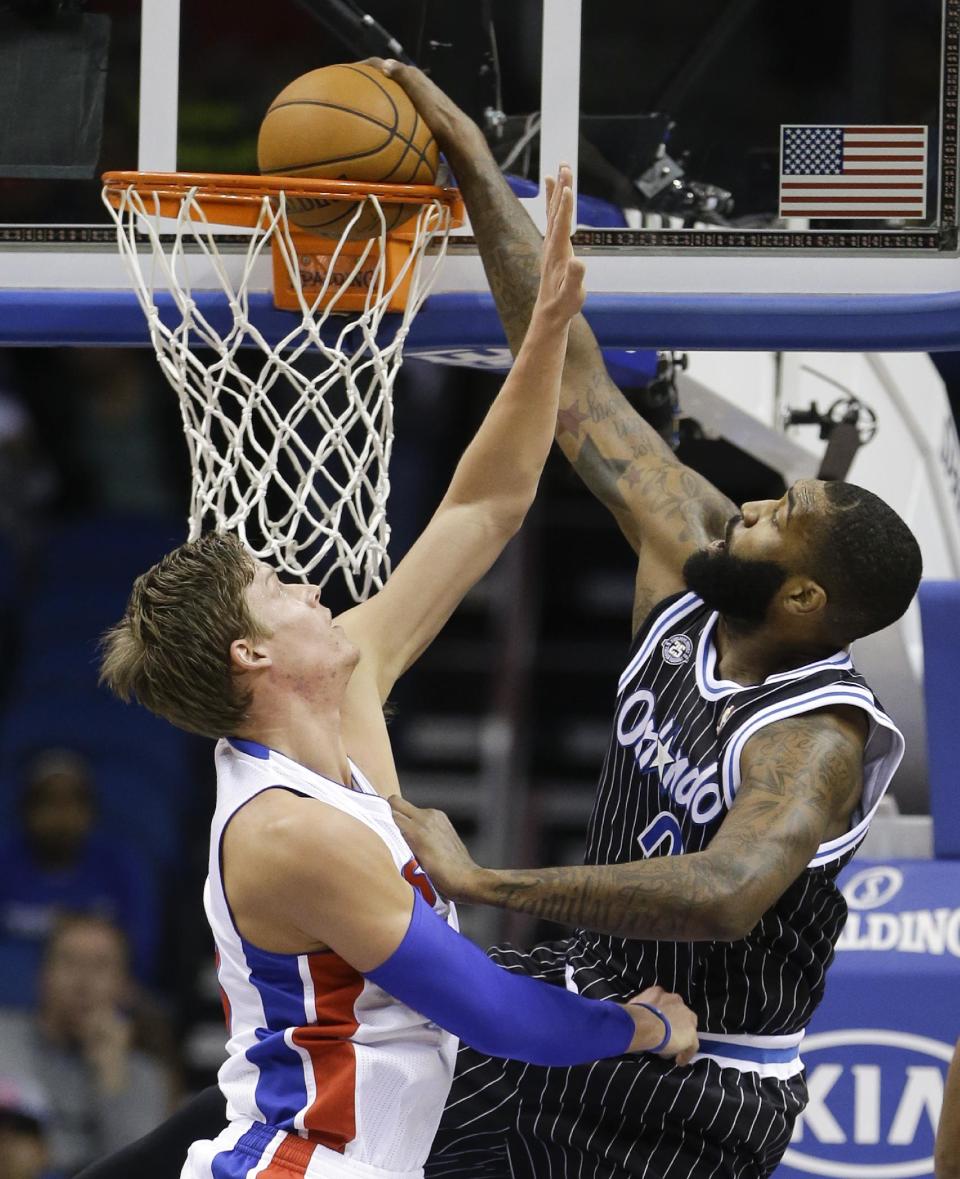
(740, 590)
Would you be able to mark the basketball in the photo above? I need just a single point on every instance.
(346, 122)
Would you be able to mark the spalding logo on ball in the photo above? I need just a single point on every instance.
(346, 122)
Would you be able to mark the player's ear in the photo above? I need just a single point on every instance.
(803, 596)
(247, 655)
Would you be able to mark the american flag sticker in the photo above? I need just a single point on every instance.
(853, 172)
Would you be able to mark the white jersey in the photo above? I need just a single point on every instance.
(327, 1074)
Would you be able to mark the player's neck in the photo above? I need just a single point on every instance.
(308, 735)
(748, 655)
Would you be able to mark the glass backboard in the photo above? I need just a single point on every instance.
(704, 133)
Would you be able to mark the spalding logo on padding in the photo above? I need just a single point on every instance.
(873, 887)
(875, 1100)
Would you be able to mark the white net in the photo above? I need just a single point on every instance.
(289, 437)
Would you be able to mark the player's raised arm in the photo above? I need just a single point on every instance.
(335, 886)
(496, 479)
(665, 510)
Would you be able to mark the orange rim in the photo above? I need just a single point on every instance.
(237, 200)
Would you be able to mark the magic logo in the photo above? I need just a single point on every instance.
(696, 788)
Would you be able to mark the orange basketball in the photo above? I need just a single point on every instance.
(346, 122)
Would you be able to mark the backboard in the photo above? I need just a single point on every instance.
(704, 134)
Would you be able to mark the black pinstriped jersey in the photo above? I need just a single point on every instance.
(670, 775)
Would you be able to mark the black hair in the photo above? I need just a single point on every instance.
(867, 560)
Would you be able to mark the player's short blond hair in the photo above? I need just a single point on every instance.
(171, 649)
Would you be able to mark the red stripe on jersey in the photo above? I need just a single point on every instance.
(224, 1000)
(332, 1118)
(415, 876)
(291, 1158)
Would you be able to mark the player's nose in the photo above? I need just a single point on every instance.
(750, 513)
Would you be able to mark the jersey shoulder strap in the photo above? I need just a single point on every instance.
(683, 611)
(750, 711)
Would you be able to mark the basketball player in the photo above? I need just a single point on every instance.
(746, 759)
(345, 984)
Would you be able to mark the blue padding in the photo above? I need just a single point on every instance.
(632, 368)
(454, 984)
(840, 323)
(940, 612)
(591, 210)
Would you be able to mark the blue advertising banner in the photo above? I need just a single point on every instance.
(878, 1047)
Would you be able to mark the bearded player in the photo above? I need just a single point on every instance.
(746, 759)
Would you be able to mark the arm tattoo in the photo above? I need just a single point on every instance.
(619, 456)
(674, 897)
(510, 245)
(800, 776)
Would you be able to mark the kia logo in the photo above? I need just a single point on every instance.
(875, 1101)
(872, 887)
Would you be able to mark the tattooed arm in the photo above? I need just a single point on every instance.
(664, 509)
(801, 780)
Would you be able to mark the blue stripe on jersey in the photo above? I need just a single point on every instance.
(279, 985)
(281, 1090)
(241, 1158)
(748, 1052)
(253, 748)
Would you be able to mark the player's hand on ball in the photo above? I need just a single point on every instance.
(683, 1043)
(561, 292)
(452, 128)
(438, 848)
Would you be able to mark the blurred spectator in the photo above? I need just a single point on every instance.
(56, 861)
(79, 1046)
(122, 436)
(23, 1116)
(27, 481)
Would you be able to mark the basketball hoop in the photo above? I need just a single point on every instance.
(289, 449)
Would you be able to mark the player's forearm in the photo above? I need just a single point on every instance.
(500, 1013)
(673, 898)
(510, 244)
(501, 467)
(618, 455)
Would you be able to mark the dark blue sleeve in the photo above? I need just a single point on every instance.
(453, 983)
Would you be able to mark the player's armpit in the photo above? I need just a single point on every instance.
(801, 779)
(332, 882)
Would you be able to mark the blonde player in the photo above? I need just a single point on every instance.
(345, 984)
